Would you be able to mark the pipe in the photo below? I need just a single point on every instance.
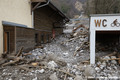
(44, 4)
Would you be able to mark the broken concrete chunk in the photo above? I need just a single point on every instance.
(53, 77)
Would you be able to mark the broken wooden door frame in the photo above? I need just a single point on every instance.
(105, 21)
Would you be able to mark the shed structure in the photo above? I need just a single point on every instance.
(104, 28)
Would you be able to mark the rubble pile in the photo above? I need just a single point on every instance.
(65, 58)
(108, 68)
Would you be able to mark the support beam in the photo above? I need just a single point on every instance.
(92, 46)
(36, 6)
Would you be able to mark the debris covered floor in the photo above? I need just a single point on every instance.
(65, 58)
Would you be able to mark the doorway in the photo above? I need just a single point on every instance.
(6, 42)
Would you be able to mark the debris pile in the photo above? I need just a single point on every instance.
(65, 58)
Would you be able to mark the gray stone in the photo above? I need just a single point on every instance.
(97, 69)
(90, 71)
(53, 77)
(114, 62)
(70, 78)
(78, 78)
(52, 64)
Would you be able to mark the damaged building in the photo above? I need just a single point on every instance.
(28, 23)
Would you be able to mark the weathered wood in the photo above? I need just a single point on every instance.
(20, 52)
(75, 53)
(26, 54)
(12, 62)
(58, 70)
(66, 75)
(24, 68)
(112, 54)
(118, 57)
(70, 39)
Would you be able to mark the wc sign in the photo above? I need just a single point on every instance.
(104, 22)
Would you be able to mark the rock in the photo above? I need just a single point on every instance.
(78, 78)
(70, 78)
(75, 66)
(114, 62)
(99, 63)
(42, 71)
(113, 57)
(74, 70)
(65, 54)
(81, 68)
(77, 73)
(104, 63)
(81, 51)
(52, 64)
(53, 77)
(90, 71)
(61, 63)
(102, 66)
(35, 78)
(97, 69)
(106, 57)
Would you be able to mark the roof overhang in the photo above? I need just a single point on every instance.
(53, 7)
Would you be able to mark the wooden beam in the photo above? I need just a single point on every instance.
(38, 0)
(36, 6)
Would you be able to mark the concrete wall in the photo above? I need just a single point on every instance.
(17, 11)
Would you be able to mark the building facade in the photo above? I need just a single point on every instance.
(28, 23)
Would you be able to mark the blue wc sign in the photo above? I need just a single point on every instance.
(101, 22)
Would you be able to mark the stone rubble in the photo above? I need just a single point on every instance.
(59, 55)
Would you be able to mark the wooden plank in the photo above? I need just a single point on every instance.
(119, 59)
(38, 0)
(5, 41)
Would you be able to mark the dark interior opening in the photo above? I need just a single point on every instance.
(107, 40)
(42, 38)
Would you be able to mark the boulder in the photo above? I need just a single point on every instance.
(90, 71)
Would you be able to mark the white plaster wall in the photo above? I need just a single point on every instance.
(17, 11)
